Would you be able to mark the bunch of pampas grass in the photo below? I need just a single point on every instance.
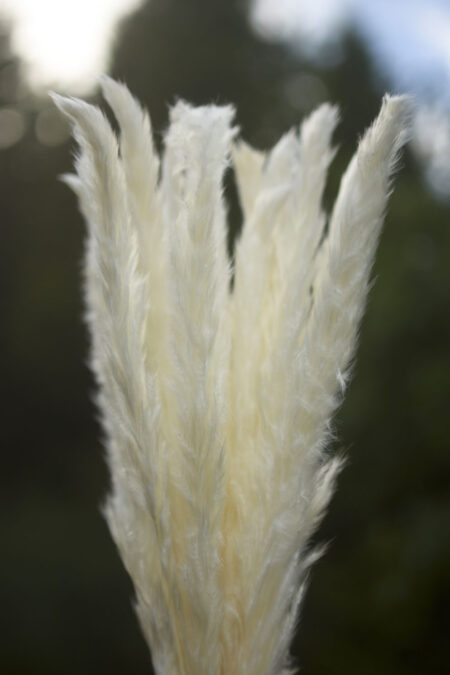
(216, 403)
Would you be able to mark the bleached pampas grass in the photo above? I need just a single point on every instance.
(217, 403)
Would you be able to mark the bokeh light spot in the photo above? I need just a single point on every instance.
(12, 127)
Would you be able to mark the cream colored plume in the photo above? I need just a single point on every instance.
(217, 403)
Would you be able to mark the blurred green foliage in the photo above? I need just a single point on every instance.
(378, 602)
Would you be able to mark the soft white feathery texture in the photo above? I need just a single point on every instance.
(217, 404)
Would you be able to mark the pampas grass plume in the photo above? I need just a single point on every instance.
(216, 404)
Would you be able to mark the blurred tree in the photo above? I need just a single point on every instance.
(202, 51)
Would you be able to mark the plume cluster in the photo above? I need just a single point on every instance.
(216, 403)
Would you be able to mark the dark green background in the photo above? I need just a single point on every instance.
(378, 602)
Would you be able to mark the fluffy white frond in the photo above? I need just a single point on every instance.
(197, 152)
(117, 312)
(295, 172)
(216, 404)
